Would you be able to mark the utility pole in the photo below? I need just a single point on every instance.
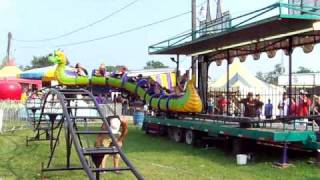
(194, 28)
(9, 46)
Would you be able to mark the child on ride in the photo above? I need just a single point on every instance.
(101, 71)
(80, 70)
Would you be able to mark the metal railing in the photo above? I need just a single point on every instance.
(13, 116)
(277, 10)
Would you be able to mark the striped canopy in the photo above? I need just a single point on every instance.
(45, 74)
(166, 80)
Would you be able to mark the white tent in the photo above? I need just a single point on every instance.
(242, 81)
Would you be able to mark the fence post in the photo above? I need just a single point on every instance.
(1, 119)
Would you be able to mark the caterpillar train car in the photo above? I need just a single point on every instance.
(188, 102)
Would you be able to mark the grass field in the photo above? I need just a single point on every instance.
(154, 157)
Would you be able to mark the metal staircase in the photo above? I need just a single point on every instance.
(41, 123)
(81, 118)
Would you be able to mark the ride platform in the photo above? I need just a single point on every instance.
(304, 137)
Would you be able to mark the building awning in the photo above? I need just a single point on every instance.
(246, 37)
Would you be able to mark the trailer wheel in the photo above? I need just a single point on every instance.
(162, 131)
(177, 135)
(145, 128)
(170, 133)
(190, 137)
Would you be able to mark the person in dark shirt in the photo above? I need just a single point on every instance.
(268, 108)
(251, 106)
(316, 110)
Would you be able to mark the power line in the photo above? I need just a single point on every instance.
(83, 27)
(120, 33)
(126, 31)
(123, 32)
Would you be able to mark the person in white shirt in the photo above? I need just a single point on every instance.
(284, 105)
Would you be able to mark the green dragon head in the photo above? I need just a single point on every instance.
(58, 57)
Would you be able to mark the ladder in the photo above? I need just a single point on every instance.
(74, 114)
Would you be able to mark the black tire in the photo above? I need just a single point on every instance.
(170, 133)
(162, 130)
(178, 135)
(190, 137)
(145, 127)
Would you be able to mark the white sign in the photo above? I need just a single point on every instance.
(298, 80)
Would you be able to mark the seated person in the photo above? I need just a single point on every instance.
(152, 86)
(80, 70)
(158, 89)
(182, 83)
(101, 71)
(120, 73)
(136, 78)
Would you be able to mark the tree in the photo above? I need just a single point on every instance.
(114, 68)
(260, 76)
(155, 65)
(272, 76)
(41, 61)
(302, 69)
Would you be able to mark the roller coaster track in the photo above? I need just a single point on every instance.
(61, 107)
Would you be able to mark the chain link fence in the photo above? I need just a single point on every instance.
(13, 116)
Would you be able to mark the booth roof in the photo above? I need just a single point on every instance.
(10, 71)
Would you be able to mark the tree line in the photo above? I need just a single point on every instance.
(43, 61)
(271, 77)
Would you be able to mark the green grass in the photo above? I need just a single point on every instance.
(154, 157)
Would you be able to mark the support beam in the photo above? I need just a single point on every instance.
(284, 163)
(203, 67)
(178, 70)
(290, 49)
(228, 83)
(193, 18)
(9, 46)
(177, 61)
(193, 28)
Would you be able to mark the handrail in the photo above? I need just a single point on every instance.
(124, 158)
(82, 159)
(70, 127)
(306, 12)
